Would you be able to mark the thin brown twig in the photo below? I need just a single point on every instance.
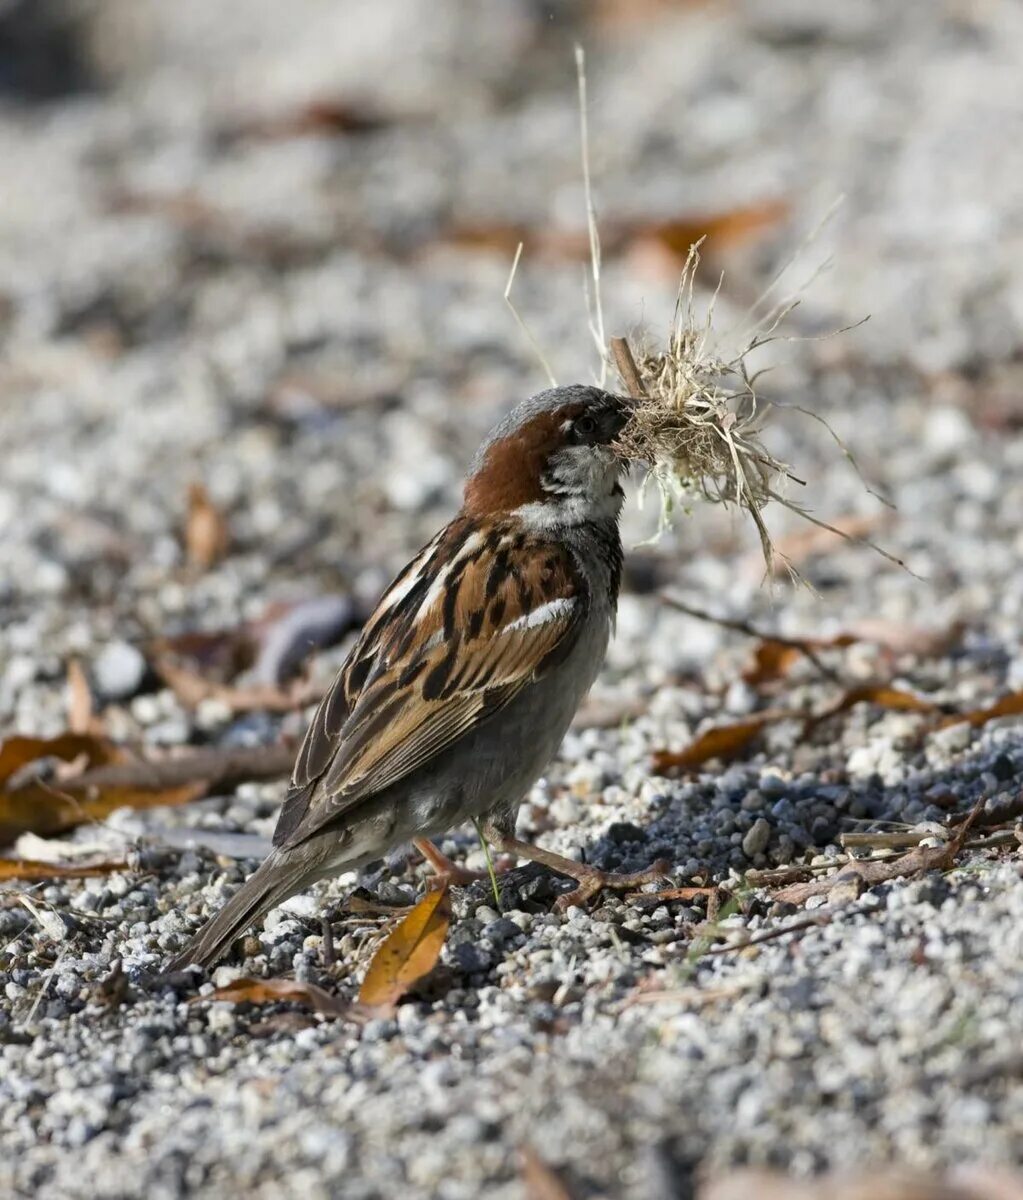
(751, 631)
(769, 935)
(220, 768)
(866, 874)
(627, 369)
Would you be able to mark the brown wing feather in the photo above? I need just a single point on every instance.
(440, 656)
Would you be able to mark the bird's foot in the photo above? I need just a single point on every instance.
(591, 880)
(448, 872)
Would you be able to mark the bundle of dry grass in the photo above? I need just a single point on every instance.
(697, 420)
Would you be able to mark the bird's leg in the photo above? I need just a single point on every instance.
(446, 869)
(591, 880)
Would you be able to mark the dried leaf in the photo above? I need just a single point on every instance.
(206, 532)
(218, 654)
(273, 991)
(17, 752)
(893, 699)
(673, 236)
(729, 227)
(868, 873)
(771, 660)
(540, 1181)
(34, 870)
(39, 807)
(327, 116)
(723, 741)
(1008, 706)
(409, 952)
(79, 699)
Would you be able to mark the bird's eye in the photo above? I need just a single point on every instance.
(585, 427)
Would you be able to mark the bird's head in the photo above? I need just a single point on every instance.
(550, 462)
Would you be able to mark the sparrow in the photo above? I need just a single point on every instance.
(464, 681)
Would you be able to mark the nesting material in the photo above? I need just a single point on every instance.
(697, 420)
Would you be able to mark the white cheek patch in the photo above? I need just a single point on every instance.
(553, 610)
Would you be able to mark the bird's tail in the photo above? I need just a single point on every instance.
(282, 875)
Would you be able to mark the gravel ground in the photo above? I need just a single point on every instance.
(197, 286)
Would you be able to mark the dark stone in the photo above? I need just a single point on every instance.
(624, 831)
(470, 958)
(501, 932)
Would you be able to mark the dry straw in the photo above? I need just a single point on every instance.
(697, 418)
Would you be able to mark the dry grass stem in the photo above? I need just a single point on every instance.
(698, 418)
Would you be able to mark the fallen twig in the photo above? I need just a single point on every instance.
(220, 768)
(744, 627)
(867, 873)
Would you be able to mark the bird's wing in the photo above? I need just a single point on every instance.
(474, 618)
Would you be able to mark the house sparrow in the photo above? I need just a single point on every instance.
(466, 677)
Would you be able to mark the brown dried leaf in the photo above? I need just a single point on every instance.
(771, 660)
(273, 991)
(409, 952)
(893, 699)
(327, 116)
(866, 874)
(17, 752)
(671, 237)
(34, 870)
(540, 1181)
(728, 227)
(218, 654)
(1008, 706)
(206, 531)
(39, 807)
(723, 741)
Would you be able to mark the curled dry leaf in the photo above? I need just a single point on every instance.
(36, 805)
(40, 807)
(723, 741)
(671, 237)
(206, 532)
(879, 694)
(726, 741)
(325, 116)
(409, 952)
(1008, 706)
(273, 991)
(17, 752)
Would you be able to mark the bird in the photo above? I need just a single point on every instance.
(464, 680)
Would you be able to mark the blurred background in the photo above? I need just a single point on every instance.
(252, 327)
(268, 253)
